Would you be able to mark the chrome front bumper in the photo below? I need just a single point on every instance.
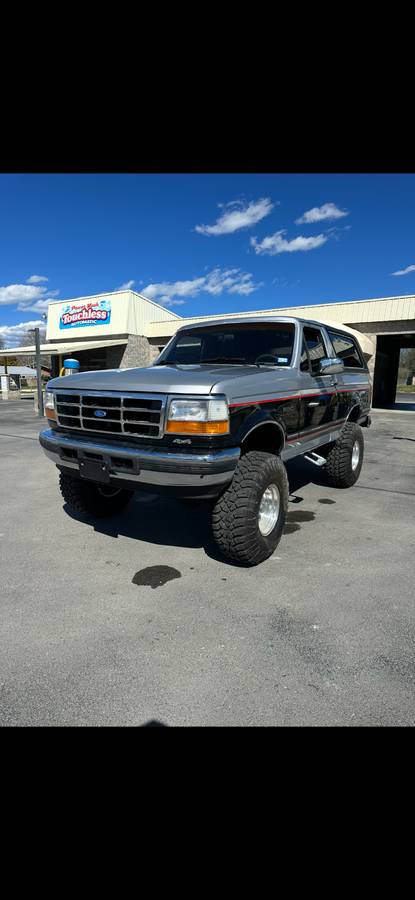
(158, 466)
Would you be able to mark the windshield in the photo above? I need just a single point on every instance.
(268, 344)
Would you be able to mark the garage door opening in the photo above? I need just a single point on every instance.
(394, 372)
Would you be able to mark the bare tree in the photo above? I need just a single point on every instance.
(406, 364)
(27, 339)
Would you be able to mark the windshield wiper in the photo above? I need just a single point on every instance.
(224, 359)
(216, 359)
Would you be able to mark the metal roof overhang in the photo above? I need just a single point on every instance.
(60, 349)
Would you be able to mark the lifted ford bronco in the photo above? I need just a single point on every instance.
(215, 417)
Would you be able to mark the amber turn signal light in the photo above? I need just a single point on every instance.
(180, 427)
(50, 414)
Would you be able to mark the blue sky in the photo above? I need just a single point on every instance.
(203, 244)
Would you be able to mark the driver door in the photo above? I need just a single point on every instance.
(319, 398)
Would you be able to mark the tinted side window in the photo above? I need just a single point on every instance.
(304, 363)
(346, 349)
(315, 347)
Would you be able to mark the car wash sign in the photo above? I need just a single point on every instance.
(77, 315)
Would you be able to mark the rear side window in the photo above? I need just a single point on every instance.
(304, 361)
(347, 350)
(314, 346)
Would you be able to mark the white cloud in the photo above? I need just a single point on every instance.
(27, 297)
(38, 306)
(335, 232)
(168, 302)
(215, 282)
(238, 214)
(276, 243)
(13, 333)
(404, 271)
(327, 212)
(126, 286)
(20, 293)
(36, 279)
(282, 282)
(166, 291)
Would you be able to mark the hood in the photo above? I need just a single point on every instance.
(166, 379)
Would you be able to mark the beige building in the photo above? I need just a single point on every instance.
(102, 331)
(124, 329)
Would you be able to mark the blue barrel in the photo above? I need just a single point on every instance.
(70, 366)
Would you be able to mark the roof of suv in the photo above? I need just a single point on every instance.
(248, 320)
(364, 341)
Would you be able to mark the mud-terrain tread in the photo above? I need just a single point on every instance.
(83, 497)
(235, 516)
(338, 469)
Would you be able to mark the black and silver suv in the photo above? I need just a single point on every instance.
(222, 409)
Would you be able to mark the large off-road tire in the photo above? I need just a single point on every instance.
(90, 499)
(344, 460)
(242, 530)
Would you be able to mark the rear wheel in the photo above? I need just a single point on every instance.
(92, 499)
(249, 517)
(345, 459)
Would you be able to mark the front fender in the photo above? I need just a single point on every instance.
(246, 420)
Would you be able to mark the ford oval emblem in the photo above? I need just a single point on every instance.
(100, 413)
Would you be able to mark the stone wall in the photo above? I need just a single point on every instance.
(138, 352)
(154, 352)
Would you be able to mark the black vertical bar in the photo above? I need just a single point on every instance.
(38, 374)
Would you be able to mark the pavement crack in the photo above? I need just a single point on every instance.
(22, 437)
(366, 487)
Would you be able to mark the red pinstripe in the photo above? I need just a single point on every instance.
(299, 397)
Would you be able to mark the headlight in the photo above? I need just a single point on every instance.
(198, 417)
(49, 400)
(50, 405)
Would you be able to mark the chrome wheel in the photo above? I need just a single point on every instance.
(355, 455)
(269, 509)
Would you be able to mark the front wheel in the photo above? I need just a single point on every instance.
(249, 517)
(345, 459)
(92, 499)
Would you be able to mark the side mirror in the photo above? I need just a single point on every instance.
(331, 366)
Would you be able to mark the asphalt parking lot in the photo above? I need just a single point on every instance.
(323, 633)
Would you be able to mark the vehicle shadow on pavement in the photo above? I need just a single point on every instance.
(163, 521)
(301, 472)
(154, 723)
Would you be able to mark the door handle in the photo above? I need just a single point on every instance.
(313, 403)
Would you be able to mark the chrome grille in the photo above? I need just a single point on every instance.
(141, 415)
